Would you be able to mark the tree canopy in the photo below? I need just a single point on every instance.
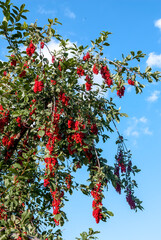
(52, 115)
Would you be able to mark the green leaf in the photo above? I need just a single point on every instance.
(41, 133)
(25, 216)
(22, 7)
(50, 20)
(113, 88)
(124, 114)
(58, 216)
(110, 213)
(7, 2)
(17, 165)
(148, 69)
(132, 53)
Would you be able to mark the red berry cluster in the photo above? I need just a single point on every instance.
(57, 196)
(121, 162)
(13, 60)
(6, 141)
(5, 73)
(30, 49)
(39, 85)
(117, 173)
(97, 202)
(18, 120)
(124, 164)
(130, 199)
(4, 118)
(19, 238)
(64, 99)
(88, 83)
(106, 75)
(3, 214)
(119, 165)
(68, 181)
(22, 74)
(120, 92)
(53, 82)
(80, 71)
(79, 137)
(131, 82)
(53, 59)
(51, 165)
(95, 69)
(86, 57)
(94, 129)
(42, 45)
(33, 108)
(53, 133)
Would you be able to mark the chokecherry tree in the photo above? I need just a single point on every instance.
(53, 112)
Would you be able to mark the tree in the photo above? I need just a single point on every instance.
(47, 116)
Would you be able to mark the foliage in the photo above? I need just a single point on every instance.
(89, 235)
(48, 117)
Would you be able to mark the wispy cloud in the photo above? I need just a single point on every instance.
(137, 127)
(146, 131)
(135, 133)
(154, 96)
(157, 23)
(44, 11)
(69, 13)
(143, 119)
(154, 60)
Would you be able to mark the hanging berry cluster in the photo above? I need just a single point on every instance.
(106, 75)
(30, 49)
(97, 202)
(3, 214)
(39, 85)
(123, 169)
(57, 198)
(4, 118)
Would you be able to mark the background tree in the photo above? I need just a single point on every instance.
(47, 116)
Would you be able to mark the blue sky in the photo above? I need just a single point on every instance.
(135, 25)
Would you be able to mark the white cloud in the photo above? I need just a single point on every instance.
(44, 11)
(154, 60)
(146, 131)
(143, 119)
(135, 133)
(137, 127)
(158, 23)
(130, 131)
(154, 96)
(69, 13)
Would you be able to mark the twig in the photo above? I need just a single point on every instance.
(97, 156)
(120, 66)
